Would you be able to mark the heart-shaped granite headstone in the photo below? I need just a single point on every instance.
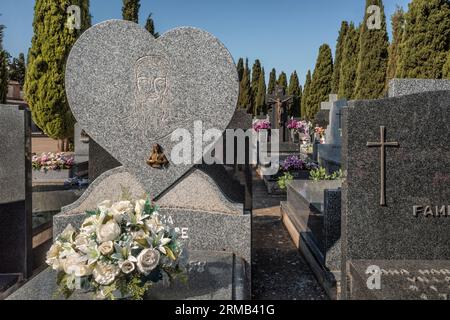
(130, 91)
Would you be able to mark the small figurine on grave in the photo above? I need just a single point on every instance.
(157, 158)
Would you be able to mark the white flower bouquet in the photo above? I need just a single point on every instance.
(119, 251)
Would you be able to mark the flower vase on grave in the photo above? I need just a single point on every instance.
(295, 138)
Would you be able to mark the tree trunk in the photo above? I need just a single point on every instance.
(63, 145)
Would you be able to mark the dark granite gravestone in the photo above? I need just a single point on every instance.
(15, 194)
(312, 215)
(395, 198)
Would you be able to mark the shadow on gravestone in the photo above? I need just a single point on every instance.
(395, 198)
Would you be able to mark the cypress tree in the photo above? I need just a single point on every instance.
(373, 57)
(282, 81)
(130, 10)
(3, 68)
(272, 81)
(338, 56)
(295, 90)
(17, 69)
(150, 26)
(398, 23)
(245, 90)
(446, 69)
(321, 81)
(305, 95)
(261, 95)
(349, 64)
(426, 40)
(240, 68)
(256, 73)
(44, 81)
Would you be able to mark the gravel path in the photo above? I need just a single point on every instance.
(279, 272)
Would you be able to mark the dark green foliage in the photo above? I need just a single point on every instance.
(349, 64)
(245, 90)
(240, 69)
(150, 26)
(321, 81)
(130, 10)
(44, 81)
(426, 39)
(295, 90)
(256, 73)
(17, 69)
(446, 69)
(338, 56)
(305, 95)
(398, 23)
(260, 102)
(282, 81)
(272, 81)
(373, 57)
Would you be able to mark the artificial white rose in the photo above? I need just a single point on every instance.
(127, 267)
(105, 274)
(104, 205)
(120, 209)
(68, 233)
(89, 225)
(82, 242)
(139, 207)
(108, 231)
(148, 260)
(75, 264)
(106, 248)
(53, 256)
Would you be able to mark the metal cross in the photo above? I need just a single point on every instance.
(383, 144)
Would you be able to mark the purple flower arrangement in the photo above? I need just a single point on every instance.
(293, 163)
(261, 125)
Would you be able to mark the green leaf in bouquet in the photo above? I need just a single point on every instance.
(170, 253)
(93, 212)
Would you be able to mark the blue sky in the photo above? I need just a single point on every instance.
(284, 34)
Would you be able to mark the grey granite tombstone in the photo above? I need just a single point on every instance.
(130, 91)
(212, 276)
(395, 198)
(329, 154)
(402, 87)
(159, 86)
(15, 192)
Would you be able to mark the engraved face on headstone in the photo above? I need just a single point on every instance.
(151, 86)
(151, 79)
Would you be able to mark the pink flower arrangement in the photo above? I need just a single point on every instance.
(262, 125)
(298, 125)
(52, 161)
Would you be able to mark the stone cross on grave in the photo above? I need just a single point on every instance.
(282, 104)
(383, 144)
